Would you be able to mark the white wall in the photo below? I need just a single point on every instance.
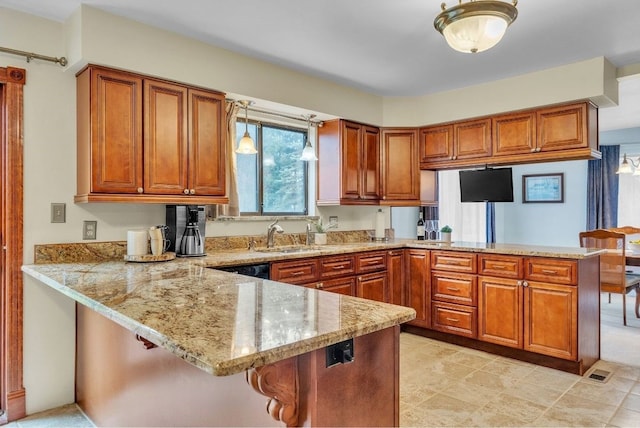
(50, 146)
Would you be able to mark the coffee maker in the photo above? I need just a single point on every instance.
(186, 229)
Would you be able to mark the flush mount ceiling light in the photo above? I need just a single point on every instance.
(246, 145)
(308, 153)
(625, 167)
(477, 25)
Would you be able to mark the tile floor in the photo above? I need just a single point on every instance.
(447, 385)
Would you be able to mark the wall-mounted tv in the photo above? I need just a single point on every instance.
(486, 185)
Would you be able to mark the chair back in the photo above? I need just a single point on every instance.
(612, 263)
(627, 230)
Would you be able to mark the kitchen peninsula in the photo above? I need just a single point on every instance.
(224, 324)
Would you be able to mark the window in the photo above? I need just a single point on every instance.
(273, 182)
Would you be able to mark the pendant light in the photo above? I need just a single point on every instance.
(308, 153)
(626, 167)
(477, 25)
(246, 145)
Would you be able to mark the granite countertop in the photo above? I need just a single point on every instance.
(221, 322)
(262, 255)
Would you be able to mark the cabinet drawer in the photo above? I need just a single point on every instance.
(453, 261)
(295, 272)
(501, 266)
(457, 288)
(552, 270)
(455, 319)
(337, 266)
(346, 286)
(371, 262)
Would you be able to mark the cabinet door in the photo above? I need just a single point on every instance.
(165, 138)
(436, 143)
(550, 319)
(500, 311)
(207, 143)
(400, 167)
(514, 134)
(351, 137)
(472, 139)
(418, 288)
(395, 273)
(561, 128)
(115, 152)
(374, 286)
(370, 167)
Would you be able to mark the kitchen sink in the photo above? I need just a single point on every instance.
(290, 249)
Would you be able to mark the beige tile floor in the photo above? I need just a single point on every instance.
(447, 385)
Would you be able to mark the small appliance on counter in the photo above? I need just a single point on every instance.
(186, 231)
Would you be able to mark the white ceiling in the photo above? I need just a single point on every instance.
(390, 47)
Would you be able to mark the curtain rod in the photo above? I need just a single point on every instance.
(280, 114)
(30, 55)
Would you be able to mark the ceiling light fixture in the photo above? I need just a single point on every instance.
(246, 145)
(477, 25)
(308, 153)
(625, 167)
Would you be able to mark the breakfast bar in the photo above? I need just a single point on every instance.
(171, 343)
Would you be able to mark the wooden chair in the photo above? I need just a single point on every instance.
(613, 277)
(627, 230)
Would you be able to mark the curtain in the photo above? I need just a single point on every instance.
(233, 207)
(491, 222)
(602, 189)
(467, 220)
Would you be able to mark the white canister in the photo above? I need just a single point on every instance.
(137, 242)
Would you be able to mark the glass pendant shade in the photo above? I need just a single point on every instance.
(246, 146)
(475, 26)
(625, 167)
(308, 154)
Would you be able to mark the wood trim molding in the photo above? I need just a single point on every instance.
(12, 392)
(278, 382)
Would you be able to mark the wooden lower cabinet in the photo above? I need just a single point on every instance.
(551, 319)
(374, 286)
(418, 286)
(500, 311)
(396, 275)
(346, 286)
(455, 319)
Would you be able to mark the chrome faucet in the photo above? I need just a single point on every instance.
(308, 239)
(271, 230)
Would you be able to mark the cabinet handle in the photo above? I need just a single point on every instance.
(298, 273)
(140, 190)
(186, 191)
(525, 284)
(549, 272)
(373, 262)
(453, 320)
(319, 286)
(501, 267)
(359, 279)
(453, 289)
(192, 191)
(337, 267)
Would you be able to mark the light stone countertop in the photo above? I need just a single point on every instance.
(221, 322)
(225, 323)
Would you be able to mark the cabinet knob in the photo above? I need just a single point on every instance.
(525, 284)
(192, 191)
(533, 150)
(519, 283)
(186, 191)
(538, 149)
(455, 157)
(319, 286)
(140, 190)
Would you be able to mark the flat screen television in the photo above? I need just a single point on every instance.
(486, 185)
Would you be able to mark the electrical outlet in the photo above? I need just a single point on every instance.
(89, 229)
(333, 219)
(58, 213)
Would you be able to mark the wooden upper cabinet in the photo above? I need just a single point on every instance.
(514, 134)
(165, 138)
(147, 140)
(562, 128)
(348, 163)
(400, 167)
(109, 121)
(207, 143)
(472, 139)
(436, 144)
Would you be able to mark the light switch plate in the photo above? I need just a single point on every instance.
(333, 219)
(89, 229)
(58, 213)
